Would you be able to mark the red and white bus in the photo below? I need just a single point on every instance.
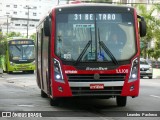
(89, 50)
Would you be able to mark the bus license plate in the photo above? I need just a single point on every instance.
(96, 86)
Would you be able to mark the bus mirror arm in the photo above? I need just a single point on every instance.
(142, 26)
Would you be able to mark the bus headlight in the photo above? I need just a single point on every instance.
(11, 63)
(134, 70)
(57, 71)
(33, 63)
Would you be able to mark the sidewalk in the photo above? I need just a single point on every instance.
(1, 73)
(156, 73)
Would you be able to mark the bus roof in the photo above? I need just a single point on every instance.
(83, 5)
(91, 5)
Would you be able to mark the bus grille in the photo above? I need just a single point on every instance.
(107, 91)
(90, 77)
(86, 91)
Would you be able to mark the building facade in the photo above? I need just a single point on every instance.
(22, 15)
(137, 1)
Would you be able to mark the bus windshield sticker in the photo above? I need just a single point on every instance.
(83, 25)
(67, 56)
(100, 56)
(91, 56)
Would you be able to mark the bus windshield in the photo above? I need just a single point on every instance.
(20, 52)
(91, 37)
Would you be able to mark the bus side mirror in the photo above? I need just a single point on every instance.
(47, 30)
(142, 26)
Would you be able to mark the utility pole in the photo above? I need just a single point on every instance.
(7, 24)
(27, 7)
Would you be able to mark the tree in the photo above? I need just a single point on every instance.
(153, 24)
(33, 36)
(156, 54)
(3, 39)
(2, 46)
(14, 34)
(99, 1)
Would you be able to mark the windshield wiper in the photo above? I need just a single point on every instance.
(83, 51)
(18, 48)
(101, 43)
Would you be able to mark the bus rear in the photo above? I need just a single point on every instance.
(94, 52)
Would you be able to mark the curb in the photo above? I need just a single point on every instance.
(1, 71)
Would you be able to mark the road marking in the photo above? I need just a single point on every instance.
(26, 105)
(155, 96)
(17, 78)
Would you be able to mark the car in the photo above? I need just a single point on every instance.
(146, 70)
(156, 64)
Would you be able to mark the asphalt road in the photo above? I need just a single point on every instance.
(19, 92)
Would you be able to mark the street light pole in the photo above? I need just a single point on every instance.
(28, 21)
(7, 24)
(27, 7)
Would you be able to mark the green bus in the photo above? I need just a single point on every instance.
(19, 55)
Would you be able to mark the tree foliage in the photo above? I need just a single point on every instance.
(33, 36)
(153, 29)
(103, 1)
(3, 38)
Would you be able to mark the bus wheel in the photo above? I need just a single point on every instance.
(10, 72)
(43, 94)
(150, 77)
(121, 101)
(54, 102)
(31, 71)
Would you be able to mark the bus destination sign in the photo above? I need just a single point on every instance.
(98, 17)
(20, 42)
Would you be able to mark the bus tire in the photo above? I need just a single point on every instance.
(54, 102)
(38, 80)
(10, 72)
(121, 101)
(31, 71)
(43, 94)
(150, 77)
